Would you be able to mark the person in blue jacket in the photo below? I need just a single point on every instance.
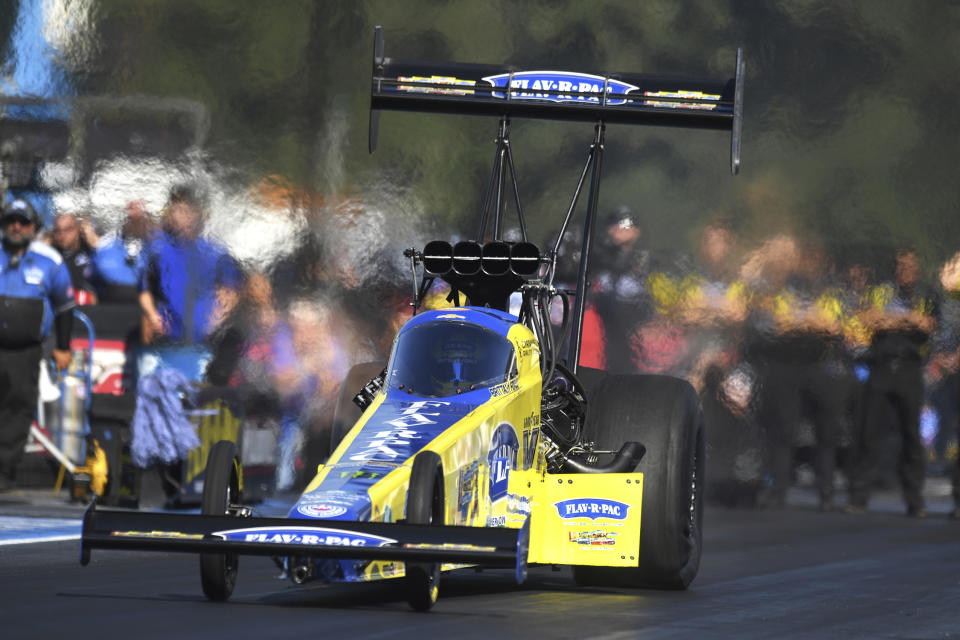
(36, 299)
(118, 264)
(189, 283)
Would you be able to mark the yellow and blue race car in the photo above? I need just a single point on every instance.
(481, 443)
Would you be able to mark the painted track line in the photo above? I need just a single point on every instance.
(24, 530)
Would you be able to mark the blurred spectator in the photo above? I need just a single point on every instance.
(621, 266)
(36, 298)
(950, 361)
(734, 441)
(189, 283)
(793, 332)
(593, 341)
(267, 369)
(902, 323)
(713, 304)
(75, 239)
(188, 287)
(326, 348)
(118, 263)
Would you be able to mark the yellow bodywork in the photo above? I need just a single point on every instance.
(591, 539)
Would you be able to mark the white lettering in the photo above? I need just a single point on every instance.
(413, 420)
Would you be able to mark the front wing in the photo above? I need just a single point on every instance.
(577, 519)
(284, 537)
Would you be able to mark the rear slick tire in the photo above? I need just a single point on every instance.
(425, 505)
(662, 413)
(221, 488)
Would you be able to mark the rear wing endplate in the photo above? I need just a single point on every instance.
(507, 91)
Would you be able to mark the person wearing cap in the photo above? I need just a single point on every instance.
(36, 299)
(622, 267)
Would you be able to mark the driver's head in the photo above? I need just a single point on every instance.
(454, 357)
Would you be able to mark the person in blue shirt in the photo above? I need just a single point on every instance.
(36, 299)
(119, 261)
(189, 283)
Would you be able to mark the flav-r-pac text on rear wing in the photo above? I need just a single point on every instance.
(628, 98)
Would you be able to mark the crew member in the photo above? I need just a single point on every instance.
(36, 298)
(189, 284)
(118, 263)
(621, 272)
(902, 324)
(75, 240)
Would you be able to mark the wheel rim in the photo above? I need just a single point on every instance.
(690, 527)
(230, 560)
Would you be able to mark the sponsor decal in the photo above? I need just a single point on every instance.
(398, 442)
(697, 95)
(435, 80)
(449, 546)
(158, 534)
(509, 386)
(592, 508)
(332, 504)
(467, 490)
(518, 504)
(531, 435)
(361, 474)
(501, 459)
(560, 86)
(497, 521)
(596, 538)
(305, 535)
(321, 510)
(528, 347)
(33, 275)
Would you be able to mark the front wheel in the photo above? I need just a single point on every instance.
(664, 414)
(221, 489)
(424, 506)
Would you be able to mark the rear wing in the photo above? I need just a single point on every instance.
(508, 91)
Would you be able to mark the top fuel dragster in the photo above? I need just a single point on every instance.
(481, 442)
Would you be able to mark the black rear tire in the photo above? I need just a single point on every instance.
(346, 413)
(221, 488)
(664, 414)
(425, 505)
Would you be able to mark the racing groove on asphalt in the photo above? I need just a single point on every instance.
(792, 573)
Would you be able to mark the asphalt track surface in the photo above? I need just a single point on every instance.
(792, 573)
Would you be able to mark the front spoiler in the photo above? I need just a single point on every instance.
(191, 533)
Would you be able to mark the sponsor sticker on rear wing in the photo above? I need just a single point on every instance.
(505, 91)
